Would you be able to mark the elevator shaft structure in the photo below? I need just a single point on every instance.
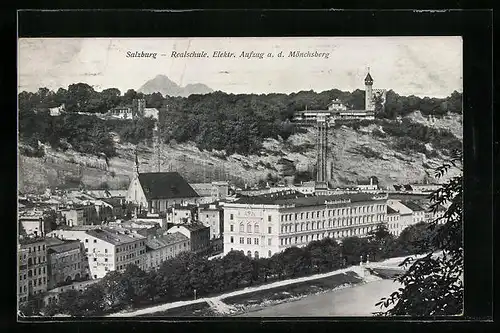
(322, 152)
(157, 147)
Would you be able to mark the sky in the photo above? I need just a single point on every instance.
(421, 66)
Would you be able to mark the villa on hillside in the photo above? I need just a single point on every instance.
(336, 110)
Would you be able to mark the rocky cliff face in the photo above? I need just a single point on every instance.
(354, 155)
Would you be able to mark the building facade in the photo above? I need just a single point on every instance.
(393, 222)
(107, 249)
(32, 225)
(67, 262)
(161, 248)
(261, 227)
(32, 261)
(212, 216)
(405, 213)
(73, 217)
(198, 235)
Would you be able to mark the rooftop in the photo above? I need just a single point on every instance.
(114, 236)
(165, 240)
(165, 185)
(301, 200)
(413, 206)
(391, 211)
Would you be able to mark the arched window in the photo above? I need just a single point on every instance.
(249, 228)
(249, 254)
(256, 228)
(302, 227)
(256, 254)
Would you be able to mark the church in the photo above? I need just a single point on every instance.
(338, 111)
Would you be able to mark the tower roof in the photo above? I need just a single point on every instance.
(368, 79)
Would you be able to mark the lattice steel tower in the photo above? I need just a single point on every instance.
(322, 152)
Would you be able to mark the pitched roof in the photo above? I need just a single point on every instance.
(165, 185)
(298, 199)
(390, 210)
(114, 237)
(413, 206)
(368, 77)
(165, 240)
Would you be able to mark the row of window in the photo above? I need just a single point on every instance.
(231, 217)
(41, 282)
(36, 260)
(304, 226)
(334, 212)
(249, 228)
(249, 240)
(337, 234)
(41, 270)
(34, 248)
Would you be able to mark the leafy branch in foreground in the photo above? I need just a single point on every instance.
(433, 285)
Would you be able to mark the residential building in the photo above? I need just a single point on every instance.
(156, 191)
(107, 248)
(178, 214)
(161, 248)
(265, 225)
(198, 234)
(393, 222)
(405, 213)
(73, 216)
(32, 261)
(212, 216)
(418, 213)
(67, 262)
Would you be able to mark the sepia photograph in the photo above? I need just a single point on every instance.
(240, 177)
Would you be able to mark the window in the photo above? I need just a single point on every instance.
(269, 241)
(256, 241)
(249, 241)
(95, 241)
(105, 259)
(249, 254)
(256, 228)
(242, 240)
(269, 230)
(95, 259)
(269, 253)
(231, 216)
(232, 240)
(242, 228)
(256, 254)
(231, 227)
(105, 250)
(86, 240)
(269, 218)
(249, 228)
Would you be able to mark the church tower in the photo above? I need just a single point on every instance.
(369, 105)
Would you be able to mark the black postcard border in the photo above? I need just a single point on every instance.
(474, 25)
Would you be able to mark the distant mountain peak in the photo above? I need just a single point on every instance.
(162, 84)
